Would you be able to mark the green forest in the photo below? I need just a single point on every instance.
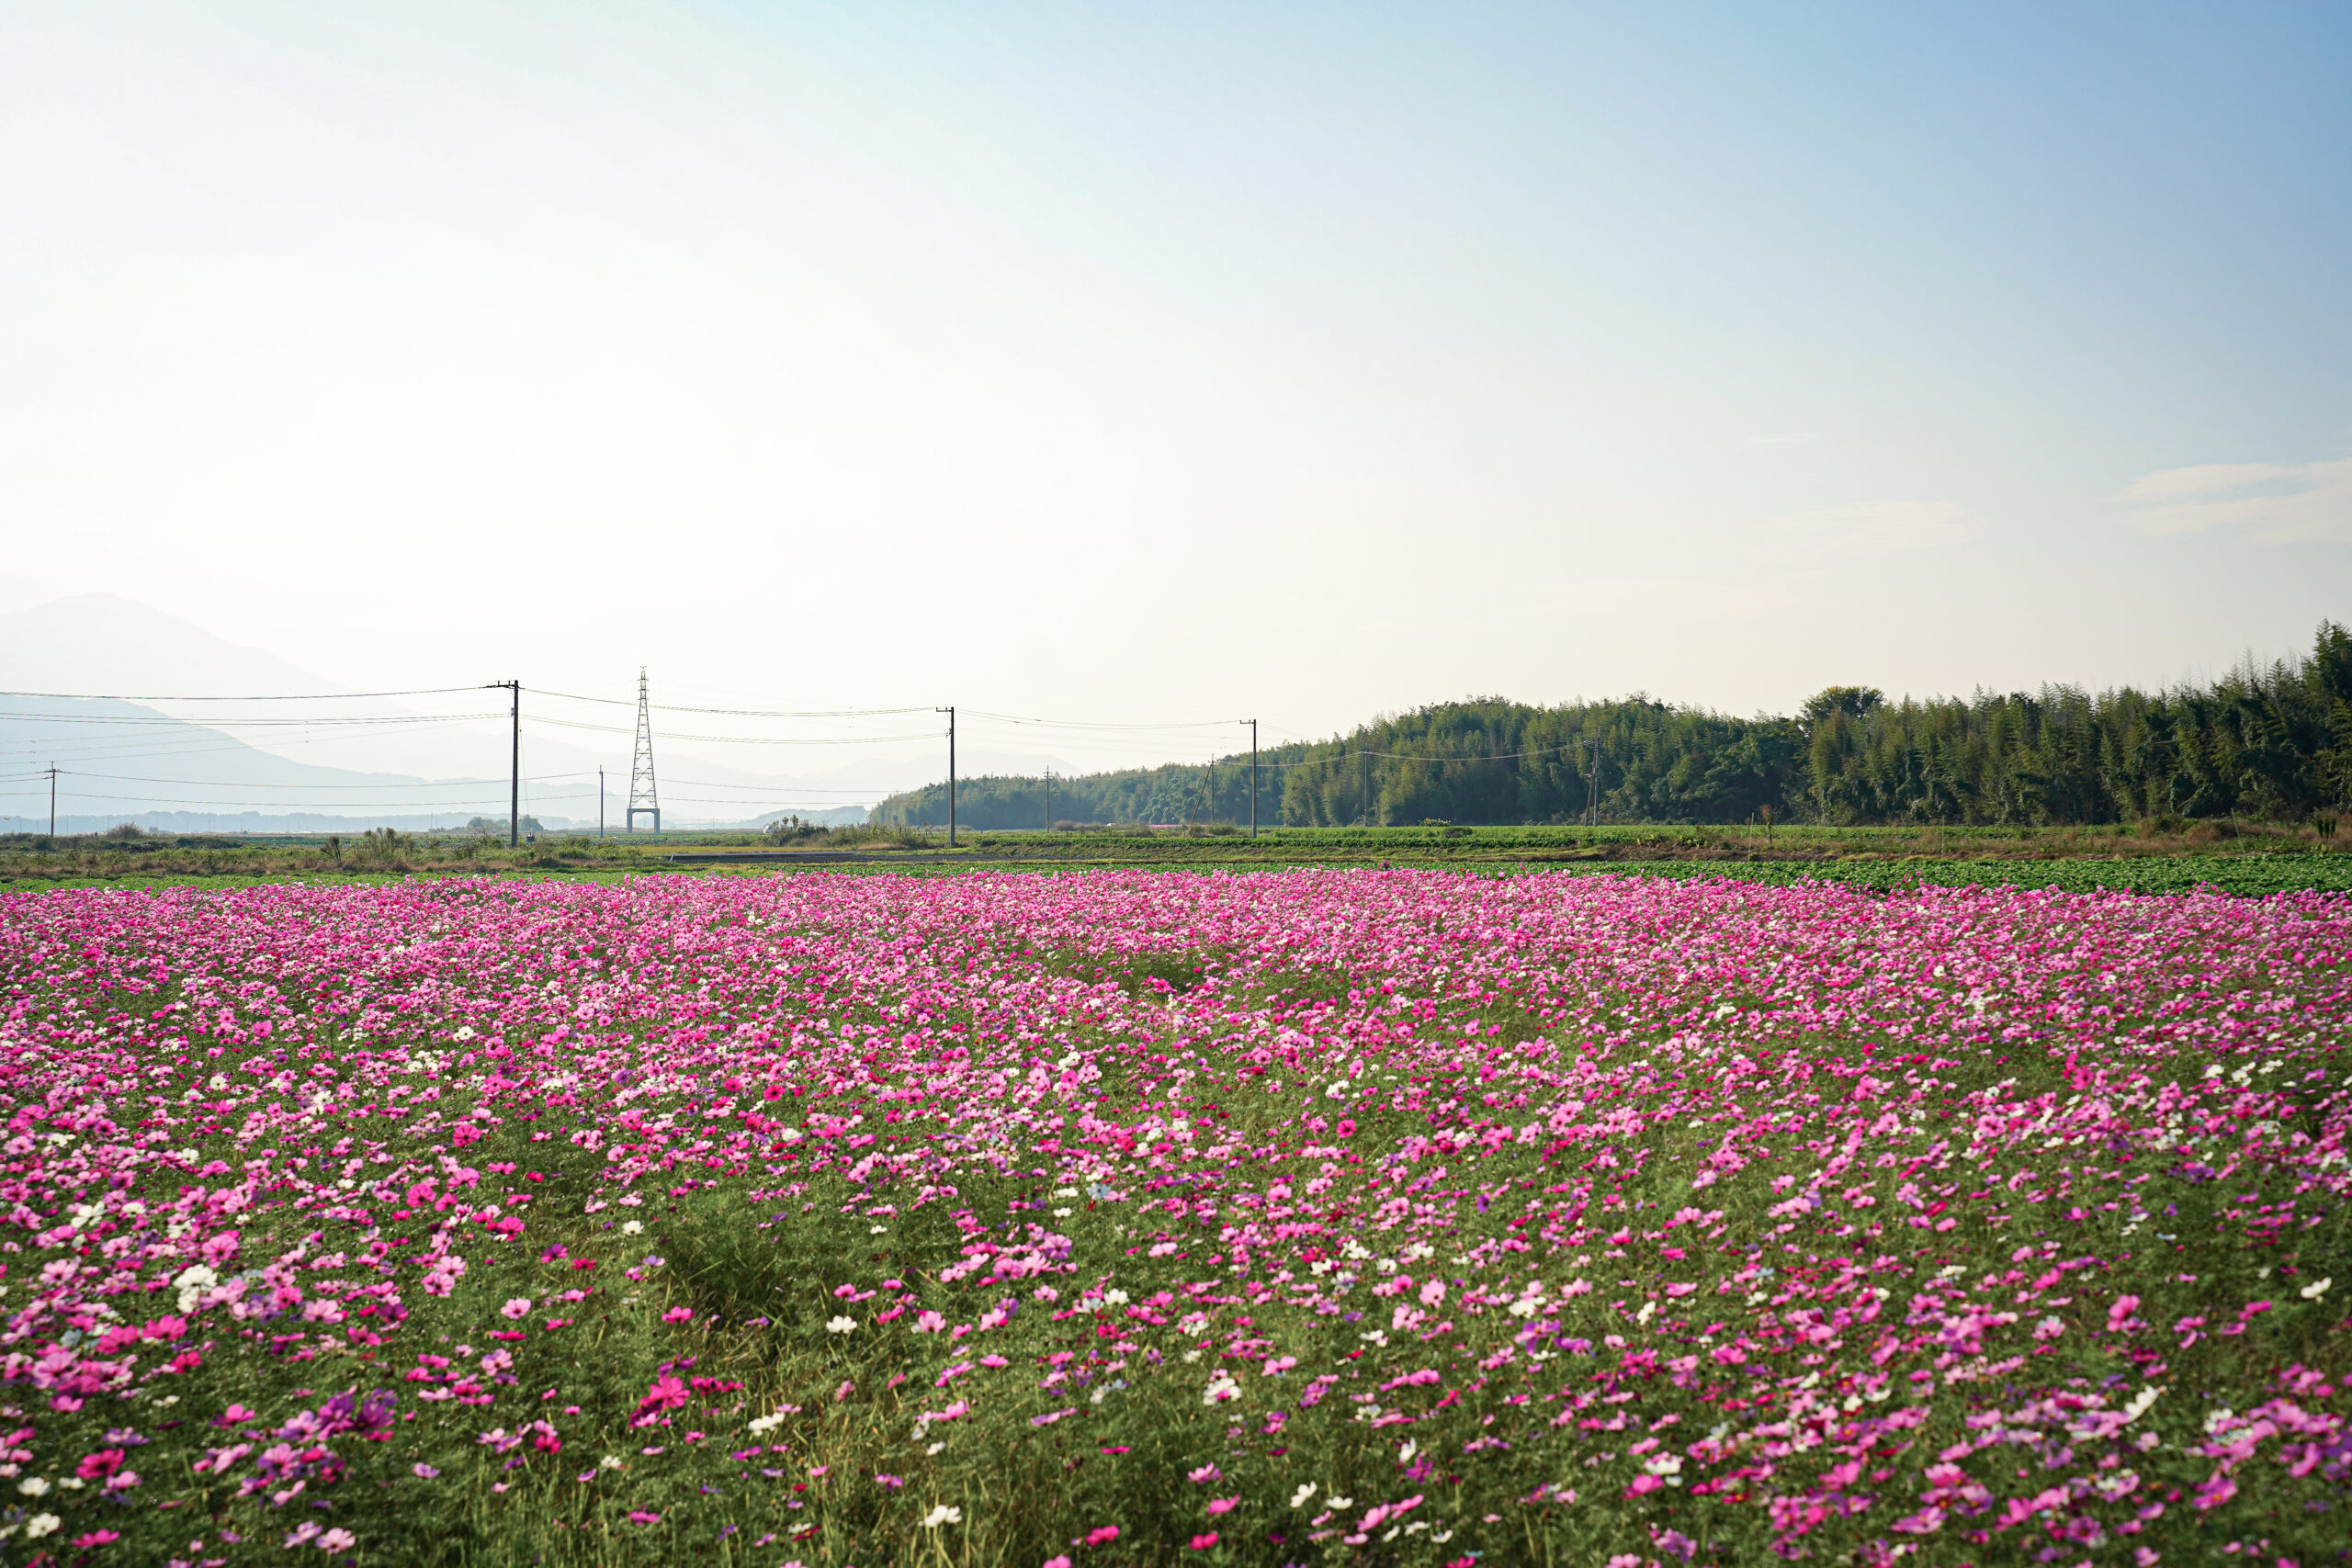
(2273, 744)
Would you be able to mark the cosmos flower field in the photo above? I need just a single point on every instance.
(1313, 1217)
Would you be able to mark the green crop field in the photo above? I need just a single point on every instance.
(2247, 858)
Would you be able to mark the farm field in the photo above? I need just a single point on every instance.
(2247, 858)
(1340, 1215)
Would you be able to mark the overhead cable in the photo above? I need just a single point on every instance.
(160, 720)
(740, 740)
(389, 784)
(737, 713)
(277, 697)
(1104, 724)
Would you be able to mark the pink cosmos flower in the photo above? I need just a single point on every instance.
(667, 1394)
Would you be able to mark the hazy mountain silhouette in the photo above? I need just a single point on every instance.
(107, 645)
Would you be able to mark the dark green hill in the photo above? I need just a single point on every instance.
(2271, 743)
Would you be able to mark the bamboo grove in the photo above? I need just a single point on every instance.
(2272, 743)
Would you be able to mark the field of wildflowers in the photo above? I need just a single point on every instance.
(1316, 1216)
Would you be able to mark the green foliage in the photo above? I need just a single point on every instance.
(2272, 743)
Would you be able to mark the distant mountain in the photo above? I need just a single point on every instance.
(196, 765)
(101, 642)
(122, 761)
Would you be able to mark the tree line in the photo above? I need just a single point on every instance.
(2270, 742)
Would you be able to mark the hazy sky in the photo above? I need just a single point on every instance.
(1185, 361)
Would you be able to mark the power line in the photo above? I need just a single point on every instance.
(738, 713)
(783, 800)
(741, 740)
(276, 697)
(533, 780)
(1104, 724)
(126, 750)
(257, 806)
(415, 721)
(579, 697)
(156, 720)
(391, 783)
(1410, 756)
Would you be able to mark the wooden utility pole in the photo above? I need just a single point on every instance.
(515, 770)
(52, 800)
(1253, 778)
(950, 712)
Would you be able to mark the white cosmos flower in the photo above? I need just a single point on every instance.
(943, 1513)
(840, 1325)
(2316, 1289)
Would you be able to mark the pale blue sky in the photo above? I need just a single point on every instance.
(1187, 361)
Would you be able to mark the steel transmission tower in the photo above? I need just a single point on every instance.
(642, 795)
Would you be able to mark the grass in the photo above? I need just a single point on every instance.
(2245, 858)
